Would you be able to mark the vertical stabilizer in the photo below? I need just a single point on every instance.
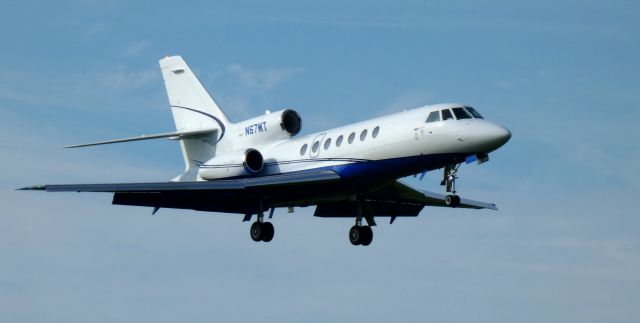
(192, 108)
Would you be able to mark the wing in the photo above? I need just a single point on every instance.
(242, 196)
(287, 179)
(403, 193)
(394, 200)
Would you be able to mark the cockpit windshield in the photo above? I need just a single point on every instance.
(433, 116)
(446, 114)
(474, 113)
(461, 113)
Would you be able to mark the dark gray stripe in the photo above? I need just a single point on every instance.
(220, 123)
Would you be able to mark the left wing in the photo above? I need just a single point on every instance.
(242, 195)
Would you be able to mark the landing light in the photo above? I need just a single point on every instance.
(481, 158)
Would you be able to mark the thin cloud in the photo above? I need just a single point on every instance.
(262, 80)
(123, 78)
(408, 100)
(134, 48)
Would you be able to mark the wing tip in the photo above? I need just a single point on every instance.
(33, 188)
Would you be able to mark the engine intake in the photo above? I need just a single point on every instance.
(291, 122)
(253, 160)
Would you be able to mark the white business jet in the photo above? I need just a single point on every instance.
(258, 165)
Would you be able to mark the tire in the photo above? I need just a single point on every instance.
(452, 200)
(355, 235)
(256, 231)
(449, 200)
(366, 235)
(267, 231)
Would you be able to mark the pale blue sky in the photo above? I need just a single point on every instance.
(564, 77)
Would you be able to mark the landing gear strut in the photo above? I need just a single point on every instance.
(360, 234)
(449, 181)
(260, 230)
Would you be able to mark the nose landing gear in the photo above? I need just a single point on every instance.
(449, 181)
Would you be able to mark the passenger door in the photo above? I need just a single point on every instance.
(316, 145)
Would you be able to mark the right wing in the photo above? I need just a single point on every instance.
(394, 200)
(401, 192)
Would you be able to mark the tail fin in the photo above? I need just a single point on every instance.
(192, 108)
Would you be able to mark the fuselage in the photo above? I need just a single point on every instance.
(382, 148)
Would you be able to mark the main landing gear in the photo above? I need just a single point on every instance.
(260, 230)
(449, 181)
(361, 234)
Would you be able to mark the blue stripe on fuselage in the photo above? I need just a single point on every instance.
(377, 170)
(396, 167)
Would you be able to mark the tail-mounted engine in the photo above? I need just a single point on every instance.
(272, 126)
(235, 163)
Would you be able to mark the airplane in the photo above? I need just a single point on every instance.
(258, 165)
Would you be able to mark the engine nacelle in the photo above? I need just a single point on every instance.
(273, 126)
(236, 163)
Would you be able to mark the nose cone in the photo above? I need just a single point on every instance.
(495, 136)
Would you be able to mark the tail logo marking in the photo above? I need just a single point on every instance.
(255, 128)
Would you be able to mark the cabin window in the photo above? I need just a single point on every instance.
(433, 116)
(303, 150)
(461, 113)
(339, 141)
(446, 114)
(315, 147)
(327, 144)
(363, 135)
(474, 113)
(351, 137)
(375, 132)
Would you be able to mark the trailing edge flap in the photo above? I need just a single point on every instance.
(171, 135)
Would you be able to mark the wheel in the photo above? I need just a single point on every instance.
(354, 235)
(256, 231)
(452, 200)
(366, 235)
(267, 231)
(449, 200)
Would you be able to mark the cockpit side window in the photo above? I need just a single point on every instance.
(433, 116)
(474, 113)
(446, 114)
(461, 113)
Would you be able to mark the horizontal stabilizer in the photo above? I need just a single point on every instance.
(172, 135)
